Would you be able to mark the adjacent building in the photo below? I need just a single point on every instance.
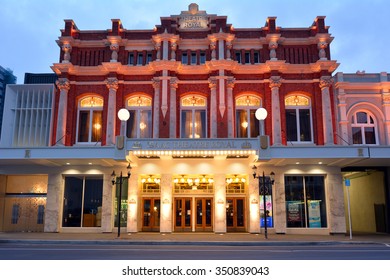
(192, 87)
(6, 77)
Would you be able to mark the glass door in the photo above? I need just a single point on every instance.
(235, 214)
(183, 221)
(204, 214)
(151, 214)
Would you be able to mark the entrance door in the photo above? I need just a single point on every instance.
(204, 214)
(151, 214)
(183, 221)
(235, 214)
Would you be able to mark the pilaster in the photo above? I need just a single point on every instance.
(220, 203)
(112, 85)
(166, 221)
(64, 86)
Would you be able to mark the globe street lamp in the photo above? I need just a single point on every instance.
(123, 115)
(265, 185)
(115, 181)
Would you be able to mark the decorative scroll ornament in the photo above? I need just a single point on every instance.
(112, 83)
(63, 84)
(275, 82)
(326, 82)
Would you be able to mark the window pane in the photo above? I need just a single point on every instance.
(238, 57)
(193, 58)
(131, 130)
(256, 57)
(247, 57)
(97, 126)
(73, 195)
(186, 124)
(202, 58)
(361, 117)
(255, 124)
(184, 58)
(83, 126)
(140, 59)
(291, 125)
(241, 124)
(295, 209)
(304, 125)
(200, 124)
(369, 134)
(92, 202)
(145, 125)
(131, 59)
(357, 135)
(315, 201)
(149, 58)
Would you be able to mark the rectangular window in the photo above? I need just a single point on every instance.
(238, 56)
(202, 58)
(193, 124)
(131, 59)
(84, 126)
(97, 126)
(149, 57)
(247, 57)
(304, 125)
(298, 125)
(184, 58)
(256, 57)
(140, 59)
(193, 58)
(305, 201)
(139, 124)
(82, 201)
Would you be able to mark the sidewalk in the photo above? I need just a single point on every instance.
(228, 239)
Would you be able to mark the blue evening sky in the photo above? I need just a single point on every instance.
(360, 28)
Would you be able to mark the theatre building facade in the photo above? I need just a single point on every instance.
(191, 132)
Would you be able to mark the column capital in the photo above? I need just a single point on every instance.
(326, 82)
(230, 82)
(213, 83)
(174, 82)
(156, 83)
(112, 83)
(275, 82)
(63, 84)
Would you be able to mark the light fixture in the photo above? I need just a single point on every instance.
(123, 114)
(261, 114)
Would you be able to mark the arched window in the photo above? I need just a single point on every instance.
(363, 128)
(139, 124)
(246, 123)
(193, 116)
(299, 127)
(90, 110)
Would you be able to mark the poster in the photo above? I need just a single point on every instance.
(294, 211)
(268, 201)
(314, 213)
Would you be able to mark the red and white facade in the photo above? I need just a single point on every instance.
(192, 86)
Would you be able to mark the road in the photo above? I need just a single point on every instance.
(176, 252)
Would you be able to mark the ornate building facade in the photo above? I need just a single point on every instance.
(192, 87)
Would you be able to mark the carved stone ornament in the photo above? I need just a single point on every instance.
(112, 83)
(67, 48)
(230, 82)
(63, 84)
(326, 82)
(156, 83)
(174, 82)
(275, 82)
(212, 83)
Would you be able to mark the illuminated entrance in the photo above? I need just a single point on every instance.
(201, 220)
(235, 214)
(151, 214)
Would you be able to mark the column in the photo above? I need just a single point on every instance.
(108, 214)
(64, 86)
(254, 205)
(54, 203)
(166, 220)
(133, 202)
(325, 83)
(343, 120)
(112, 85)
(173, 108)
(156, 107)
(230, 113)
(213, 107)
(274, 83)
(386, 111)
(220, 203)
(337, 223)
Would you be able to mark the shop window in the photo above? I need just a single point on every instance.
(193, 117)
(305, 201)
(298, 119)
(363, 129)
(82, 201)
(90, 112)
(247, 126)
(139, 124)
